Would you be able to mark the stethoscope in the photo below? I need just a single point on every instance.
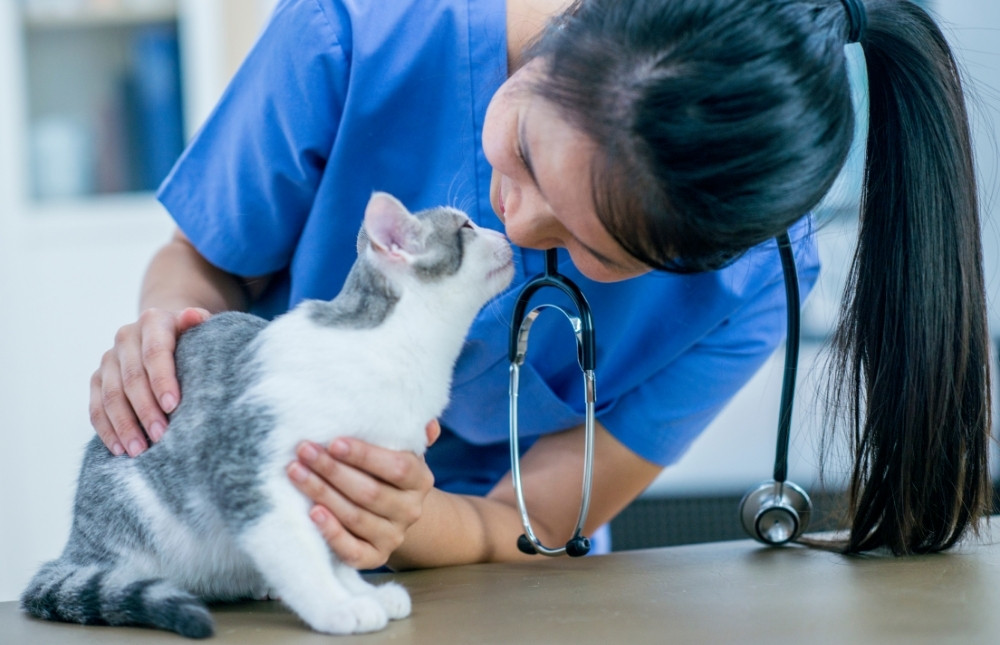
(774, 512)
(583, 329)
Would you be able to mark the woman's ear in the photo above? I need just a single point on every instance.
(391, 230)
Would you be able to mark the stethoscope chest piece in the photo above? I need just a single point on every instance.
(775, 512)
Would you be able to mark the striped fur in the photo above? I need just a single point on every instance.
(208, 513)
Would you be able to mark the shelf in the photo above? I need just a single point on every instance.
(104, 87)
(108, 101)
(94, 206)
(96, 15)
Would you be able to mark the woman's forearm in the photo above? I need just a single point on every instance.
(460, 529)
(179, 277)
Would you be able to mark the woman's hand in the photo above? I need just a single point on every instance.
(365, 497)
(136, 385)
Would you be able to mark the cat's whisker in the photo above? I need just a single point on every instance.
(466, 203)
(494, 309)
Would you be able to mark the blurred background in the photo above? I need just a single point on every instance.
(99, 99)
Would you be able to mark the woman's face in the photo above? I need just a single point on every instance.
(541, 184)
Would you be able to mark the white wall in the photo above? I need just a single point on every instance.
(975, 25)
(69, 278)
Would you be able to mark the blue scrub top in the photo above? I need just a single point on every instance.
(339, 98)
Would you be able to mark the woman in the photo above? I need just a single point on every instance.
(678, 135)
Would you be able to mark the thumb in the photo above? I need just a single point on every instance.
(433, 432)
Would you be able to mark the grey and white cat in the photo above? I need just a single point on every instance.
(208, 513)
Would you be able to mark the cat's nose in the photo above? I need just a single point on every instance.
(497, 235)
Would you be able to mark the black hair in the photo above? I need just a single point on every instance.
(722, 122)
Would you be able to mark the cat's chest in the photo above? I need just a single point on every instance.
(321, 385)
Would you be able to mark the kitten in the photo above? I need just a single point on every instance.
(208, 513)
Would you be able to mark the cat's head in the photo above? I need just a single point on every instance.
(434, 249)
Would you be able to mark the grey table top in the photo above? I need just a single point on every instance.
(727, 592)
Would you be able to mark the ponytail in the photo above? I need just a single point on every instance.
(911, 350)
(722, 123)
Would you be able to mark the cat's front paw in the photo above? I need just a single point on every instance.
(370, 614)
(395, 600)
(355, 616)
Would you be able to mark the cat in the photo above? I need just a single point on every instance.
(208, 513)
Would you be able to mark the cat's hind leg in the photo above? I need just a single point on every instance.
(292, 556)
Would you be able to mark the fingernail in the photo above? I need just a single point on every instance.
(339, 448)
(117, 450)
(308, 452)
(297, 472)
(168, 403)
(318, 515)
(135, 448)
(156, 431)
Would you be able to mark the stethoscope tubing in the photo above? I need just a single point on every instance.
(791, 356)
(588, 464)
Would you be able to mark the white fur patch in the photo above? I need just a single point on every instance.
(202, 559)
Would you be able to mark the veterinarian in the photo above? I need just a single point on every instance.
(662, 144)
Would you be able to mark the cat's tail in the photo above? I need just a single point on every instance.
(104, 595)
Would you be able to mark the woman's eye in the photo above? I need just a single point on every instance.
(520, 156)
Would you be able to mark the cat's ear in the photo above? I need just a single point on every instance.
(390, 229)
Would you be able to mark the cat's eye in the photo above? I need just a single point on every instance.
(467, 224)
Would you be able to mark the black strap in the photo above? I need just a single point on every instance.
(857, 17)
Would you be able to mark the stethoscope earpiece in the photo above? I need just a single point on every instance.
(578, 546)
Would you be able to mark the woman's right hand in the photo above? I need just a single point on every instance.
(136, 386)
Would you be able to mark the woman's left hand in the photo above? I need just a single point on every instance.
(366, 497)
